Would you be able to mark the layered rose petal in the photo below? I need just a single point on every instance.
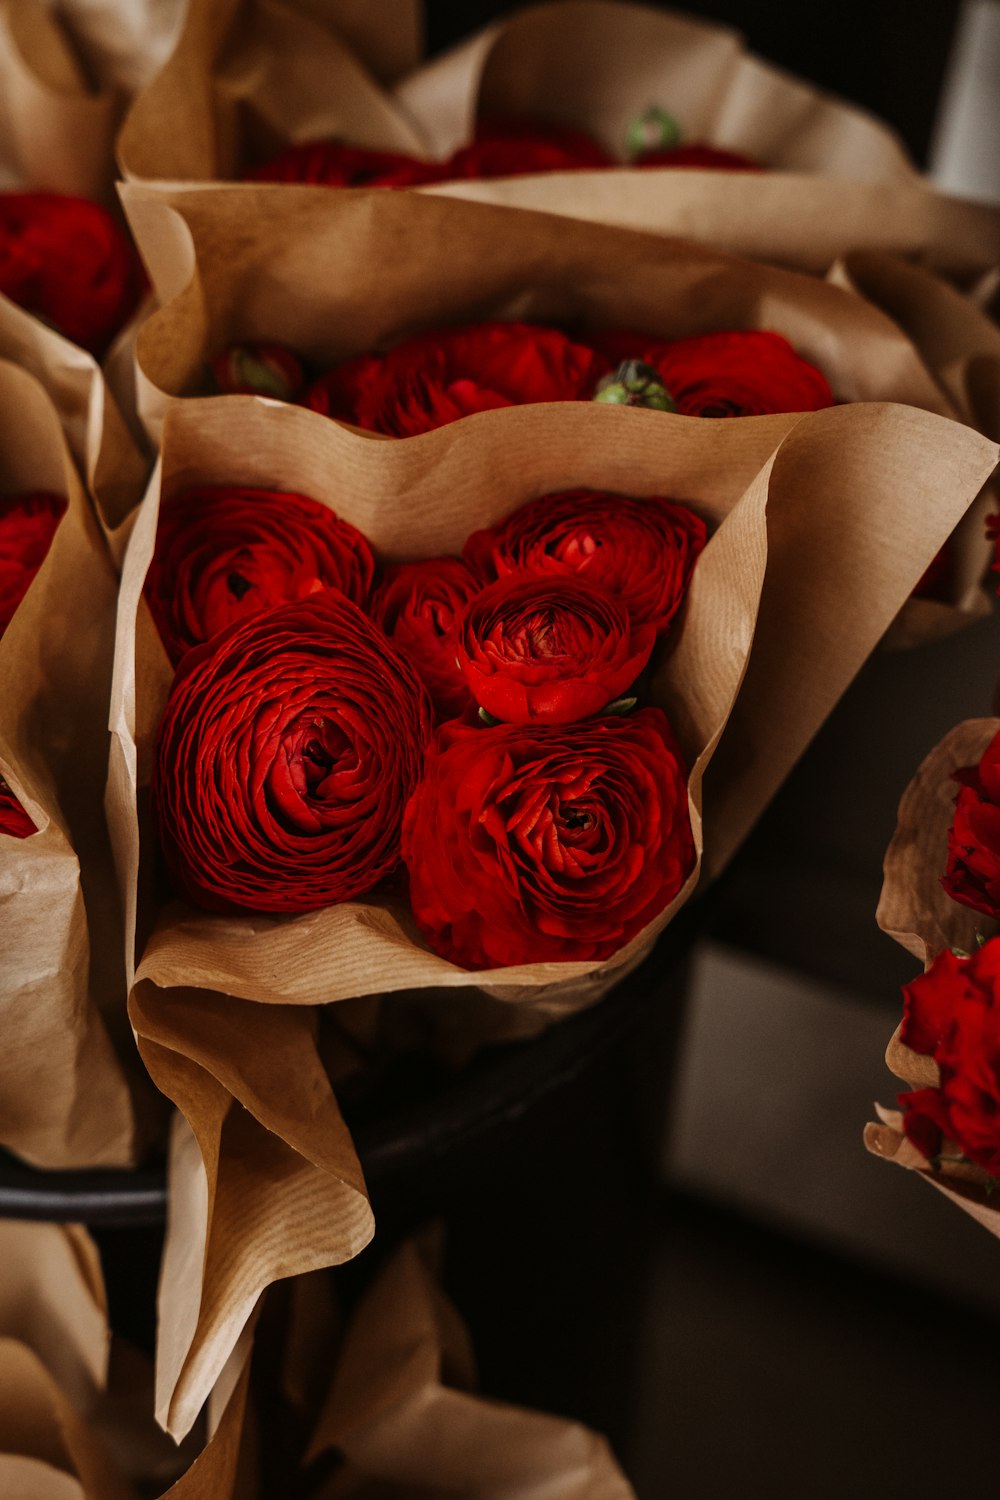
(507, 148)
(641, 550)
(744, 373)
(953, 1015)
(437, 377)
(67, 261)
(14, 821)
(224, 553)
(287, 751)
(27, 525)
(336, 164)
(538, 650)
(973, 873)
(419, 606)
(536, 844)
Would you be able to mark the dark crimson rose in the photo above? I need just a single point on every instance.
(745, 373)
(336, 164)
(259, 369)
(506, 148)
(953, 1015)
(696, 155)
(224, 553)
(68, 262)
(419, 606)
(549, 650)
(936, 581)
(14, 821)
(447, 373)
(993, 532)
(287, 751)
(642, 551)
(27, 525)
(536, 844)
(973, 873)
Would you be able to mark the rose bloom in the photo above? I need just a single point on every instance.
(419, 606)
(549, 650)
(538, 844)
(952, 1013)
(67, 261)
(707, 158)
(973, 873)
(436, 377)
(287, 751)
(27, 525)
(224, 553)
(336, 164)
(507, 148)
(744, 373)
(14, 821)
(641, 550)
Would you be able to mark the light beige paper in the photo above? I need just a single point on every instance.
(64, 1100)
(53, 1365)
(249, 75)
(914, 907)
(55, 131)
(403, 1412)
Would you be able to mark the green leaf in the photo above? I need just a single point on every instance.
(621, 706)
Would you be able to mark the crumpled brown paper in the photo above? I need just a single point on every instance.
(64, 1100)
(916, 910)
(845, 503)
(56, 131)
(260, 72)
(53, 1366)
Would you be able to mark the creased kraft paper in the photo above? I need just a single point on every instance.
(813, 510)
(64, 1100)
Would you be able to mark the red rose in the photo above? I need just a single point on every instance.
(259, 369)
(439, 376)
(224, 553)
(336, 164)
(67, 261)
(536, 844)
(642, 551)
(287, 751)
(705, 157)
(993, 532)
(14, 821)
(746, 373)
(507, 148)
(537, 650)
(27, 525)
(419, 606)
(953, 1015)
(973, 873)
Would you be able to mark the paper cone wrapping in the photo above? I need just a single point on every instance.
(63, 1095)
(916, 910)
(249, 75)
(838, 179)
(53, 1367)
(56, 132)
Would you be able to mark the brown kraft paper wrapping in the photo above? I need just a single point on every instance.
(55, 131)
(53, 1366)
(248, 75)
(224, 1007)
(63, 1096)
(916, 910)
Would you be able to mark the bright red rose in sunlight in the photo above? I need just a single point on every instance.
(537, 844)
(287, 752)
(973, 873)
(419, 606)
(641, 550)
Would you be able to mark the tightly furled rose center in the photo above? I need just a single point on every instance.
(542, 650)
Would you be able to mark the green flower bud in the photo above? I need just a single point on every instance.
(634, 384)
(653, 130)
